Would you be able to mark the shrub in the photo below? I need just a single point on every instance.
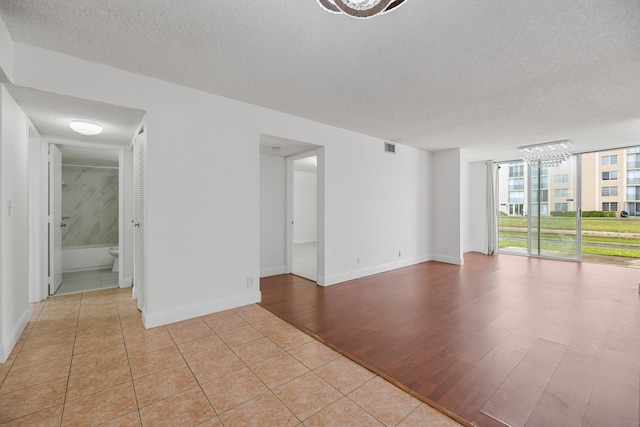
(598, 214)
(563, 214)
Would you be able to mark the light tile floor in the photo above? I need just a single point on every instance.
(82, 281)
(85, 359)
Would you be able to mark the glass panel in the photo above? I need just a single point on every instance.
(553, 233)
(512, 218)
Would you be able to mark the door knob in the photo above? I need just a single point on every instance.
(137, 224)
(62, 224)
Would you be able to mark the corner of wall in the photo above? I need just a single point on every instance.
(10, 341)
(154, 320)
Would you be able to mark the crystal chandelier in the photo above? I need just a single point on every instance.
(360, 8)
(549, 154)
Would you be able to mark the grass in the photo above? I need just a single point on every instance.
(619, 227)
(613, 225)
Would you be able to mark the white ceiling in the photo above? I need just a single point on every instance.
(485, 75)
(51, 113)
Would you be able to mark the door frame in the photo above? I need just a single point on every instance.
(39, 244)
(320, 259)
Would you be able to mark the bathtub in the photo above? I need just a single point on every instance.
(86, 258)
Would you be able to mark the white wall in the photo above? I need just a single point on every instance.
(447, 206)
(305, 207)
(203, 187)
(475, 237)
(14, 253)
(272, 215)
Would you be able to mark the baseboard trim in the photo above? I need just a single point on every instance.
(14, 335)
(273, 271)
(159, 319)
(476, 248)
(126, 282)
(447, 259)
(368, 271)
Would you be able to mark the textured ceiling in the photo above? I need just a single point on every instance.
(51, 113)
(485, 75)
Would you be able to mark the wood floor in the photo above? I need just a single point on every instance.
(502, 340)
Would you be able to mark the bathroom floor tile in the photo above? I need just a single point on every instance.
(233, 389)
(155, 361)
(383, 400)
(33, 399)
(344, 374)
(254, 313)
(99, 407)
(239, 336)
(84, 344)
(201, 347)
(257, 350)
(49, 417)
(289, 339)
(227, 322)
(306, 395)
(425, 416)
(145, 344)
(279, 370)
(343, 413)
(188, 408)
(264, 410)
(184, 332)
(216, 365)
(163, 384)
(98, 379)
(31, 375)
(314, 354)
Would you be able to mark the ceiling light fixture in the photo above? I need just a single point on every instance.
(85, 128)
(360, 8)
(549, 154)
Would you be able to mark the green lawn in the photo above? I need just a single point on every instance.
(554, 240)
(616, 225)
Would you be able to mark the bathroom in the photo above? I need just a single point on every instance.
(90, 218)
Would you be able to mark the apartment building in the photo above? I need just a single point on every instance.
(610, 181)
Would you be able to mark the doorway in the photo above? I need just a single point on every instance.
(85, 211)
(303, 195)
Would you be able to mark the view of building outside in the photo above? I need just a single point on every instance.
(610, 198)
(610, 182)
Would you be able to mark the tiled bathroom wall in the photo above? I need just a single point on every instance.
(89, 206)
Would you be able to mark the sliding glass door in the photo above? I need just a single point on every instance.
(539, 212)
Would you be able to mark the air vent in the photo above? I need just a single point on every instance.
(389, 148)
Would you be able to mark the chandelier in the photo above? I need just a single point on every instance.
(360, 8)
(548, 154)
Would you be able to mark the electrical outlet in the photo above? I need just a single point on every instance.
(399, 253)
(249, 282)
(357, 260)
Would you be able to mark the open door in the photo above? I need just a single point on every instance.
(302, 207)
(140, 146)
(55, 219)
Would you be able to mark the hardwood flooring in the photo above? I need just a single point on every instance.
(501, 340)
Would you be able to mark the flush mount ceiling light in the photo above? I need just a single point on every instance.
(549, 154)
(85, 128)
(360, 8)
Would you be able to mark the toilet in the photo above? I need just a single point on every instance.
(114, 252)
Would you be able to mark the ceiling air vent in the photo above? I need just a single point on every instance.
(389, 148)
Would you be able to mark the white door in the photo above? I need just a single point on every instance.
(55, 219)
(303, 215)
(139, 241)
